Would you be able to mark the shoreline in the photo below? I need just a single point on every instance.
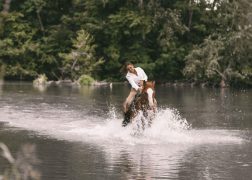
(110, 83)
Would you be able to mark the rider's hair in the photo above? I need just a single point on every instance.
(124, 67)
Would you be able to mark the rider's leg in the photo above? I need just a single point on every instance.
(129, 100)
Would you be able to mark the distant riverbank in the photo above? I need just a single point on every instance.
(111, 83)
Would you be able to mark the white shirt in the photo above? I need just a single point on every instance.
(134, 79)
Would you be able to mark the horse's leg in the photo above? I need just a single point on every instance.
(152, 113)
(129, 115)
(144, 118)
(155, 105)
(143, 121)
(150, 119)
(127, 118)
(145, 113)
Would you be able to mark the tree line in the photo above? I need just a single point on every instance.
(198, 41)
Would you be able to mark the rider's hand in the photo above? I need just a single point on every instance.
(140, 89)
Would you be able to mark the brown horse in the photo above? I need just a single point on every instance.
(144, 102)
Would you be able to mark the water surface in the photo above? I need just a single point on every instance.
(199, 133)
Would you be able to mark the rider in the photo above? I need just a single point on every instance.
(136, 77)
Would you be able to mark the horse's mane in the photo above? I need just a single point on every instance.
(148, 84)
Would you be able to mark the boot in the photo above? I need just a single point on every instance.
(126, 120)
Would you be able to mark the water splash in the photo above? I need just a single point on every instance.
(168, 127)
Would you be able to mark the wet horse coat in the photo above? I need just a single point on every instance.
(144, 102)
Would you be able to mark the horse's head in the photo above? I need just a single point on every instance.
(149, 90)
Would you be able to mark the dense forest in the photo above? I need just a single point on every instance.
(200, 41)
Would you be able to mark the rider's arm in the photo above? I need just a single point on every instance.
(143, 75)
(132, 83)
(141, 83)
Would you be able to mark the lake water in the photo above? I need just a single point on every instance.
(198, 133)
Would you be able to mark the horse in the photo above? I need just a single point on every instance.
(144, 102)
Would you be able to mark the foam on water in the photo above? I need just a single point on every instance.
(168, 127)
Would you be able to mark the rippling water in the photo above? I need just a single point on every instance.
(197, 133)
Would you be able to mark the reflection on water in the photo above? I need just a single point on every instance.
(197, 134)
(1, 86)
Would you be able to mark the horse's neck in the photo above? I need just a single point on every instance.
(143, 100)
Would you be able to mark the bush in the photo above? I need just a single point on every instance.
(86, 80)
(41, 80)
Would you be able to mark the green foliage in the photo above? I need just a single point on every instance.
(204, 61)
(40, 80)
(171, 40)
(82, 58)
(169, 64)
(86, 80)
(223, 56)
(18, 49)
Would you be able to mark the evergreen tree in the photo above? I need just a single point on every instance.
(82, 58)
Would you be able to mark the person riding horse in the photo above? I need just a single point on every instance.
(136, 77)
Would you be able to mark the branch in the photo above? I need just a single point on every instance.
(6, 6)
(190, 14)
(40, 22)
(221, 74)
(6, 153)
(74, 63)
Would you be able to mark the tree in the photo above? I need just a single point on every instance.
(3, 13)
(18, 49)
(82, 58)
(225, 56)
(205, 41)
